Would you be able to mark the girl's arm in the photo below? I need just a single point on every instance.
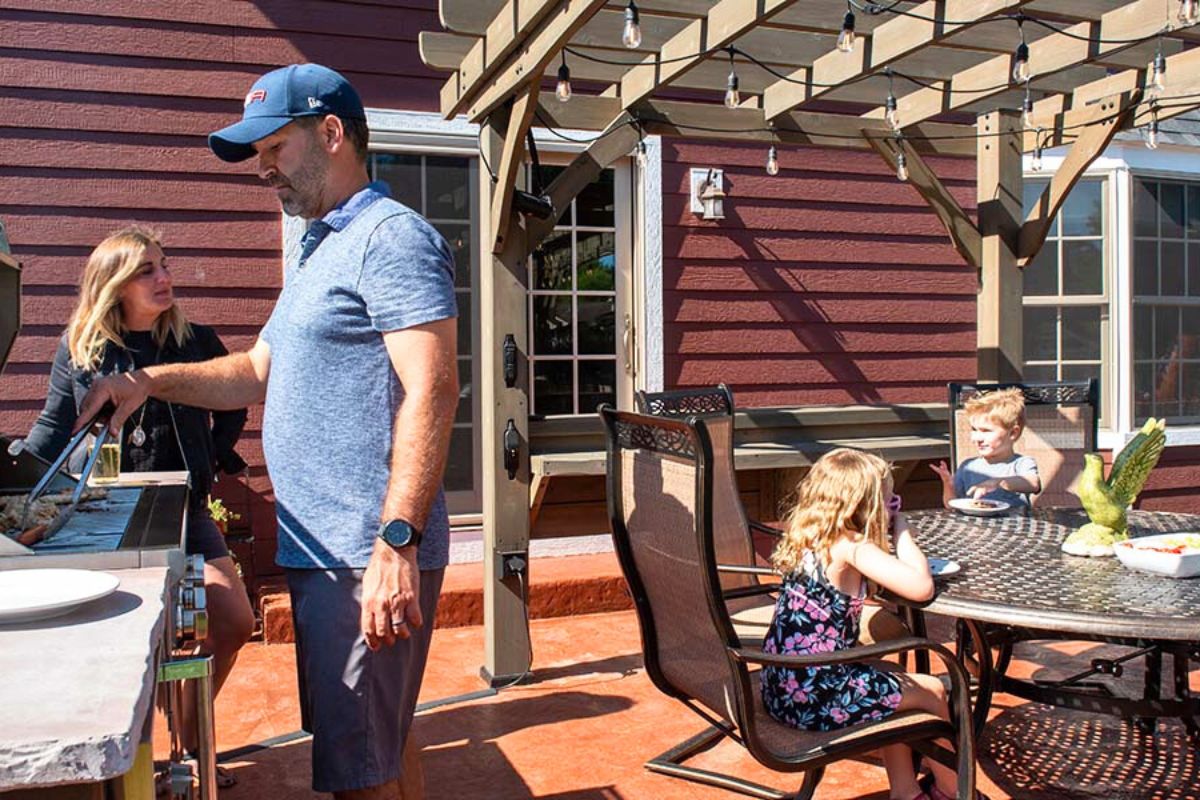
(905, 574)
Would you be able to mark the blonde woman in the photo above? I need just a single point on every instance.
(126, 318)
(836, 540)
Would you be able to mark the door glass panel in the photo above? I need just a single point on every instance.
(402, 173)
(597, 325)
(597, 384)
(552, 325)
(553, 387)
(446, 195)
(595, 205)
(552, 263)
(597, 255)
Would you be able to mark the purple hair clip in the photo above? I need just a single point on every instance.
(893, 503)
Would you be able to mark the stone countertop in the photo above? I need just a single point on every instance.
(75, 690)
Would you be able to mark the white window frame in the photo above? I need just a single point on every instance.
(1120, 164)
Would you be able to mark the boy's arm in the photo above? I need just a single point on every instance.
(948, 491)
(1026, 482)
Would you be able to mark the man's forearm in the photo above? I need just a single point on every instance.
(420, 442)
(222, 384)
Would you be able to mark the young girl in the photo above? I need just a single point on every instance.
(836, 540)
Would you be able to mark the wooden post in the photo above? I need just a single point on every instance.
(505, 500)
(999, 187)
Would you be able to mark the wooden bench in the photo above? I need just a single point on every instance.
(784, 440)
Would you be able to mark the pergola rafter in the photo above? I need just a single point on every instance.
(799, 89)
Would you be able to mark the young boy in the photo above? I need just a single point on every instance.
(997, 473)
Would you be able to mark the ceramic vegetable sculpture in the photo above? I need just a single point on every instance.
(1106, 501)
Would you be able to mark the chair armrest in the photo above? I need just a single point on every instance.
(747, 569)
(960, 698)
(750, 591)
(758, 527)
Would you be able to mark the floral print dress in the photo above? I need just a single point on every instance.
(813, 616)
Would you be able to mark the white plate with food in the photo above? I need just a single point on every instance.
(979, 507)
(1176, 555)
(27, 595)
(943, 567)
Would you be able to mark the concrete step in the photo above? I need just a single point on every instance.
(558, 587)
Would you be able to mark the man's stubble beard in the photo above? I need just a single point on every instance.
(307, 183)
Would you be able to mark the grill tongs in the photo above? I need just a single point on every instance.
(102, 418)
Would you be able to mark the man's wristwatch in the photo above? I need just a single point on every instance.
(399, 533)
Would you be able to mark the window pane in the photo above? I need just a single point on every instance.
(1041, 276)
(1145, 267)
(1172, 269)
(552, 263)
(1081, 333)
(1170, 197)
(1082, 213)
(1143, 332)
(552, 388)
(552, 325)
(594, 205)
(597, 325)
(465, 325)
(1191, 389)
(1032, 191)
(459, 239)
(1193, 211)
(1083, 267)
(597, 384)
(1191, 332)
(1193, 267)
(460, 465)
(597, 254)
(1143, 392)
(1145, 208)
(1041, 333)
(465, 391)
(1041, 373)
(1166, 331)
(403, 175)
(447, 192)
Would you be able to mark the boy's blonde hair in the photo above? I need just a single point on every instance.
(97, 318)
(1004, 407)
(846, 490)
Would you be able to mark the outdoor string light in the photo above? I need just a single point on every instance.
(563, 90)
(1152, 129)
(1189, 11)
(1158, 70)
(1020, 72)
(732, 98)
(901, 161)
(1027, 109)
(891, 114)
(845, 40)
(772, 161)
(1036, 163)
(631, 36)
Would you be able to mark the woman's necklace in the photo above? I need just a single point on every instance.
(138, 437)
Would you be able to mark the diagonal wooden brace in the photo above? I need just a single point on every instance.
(1106, 118)
(963, 232)
(519, 120)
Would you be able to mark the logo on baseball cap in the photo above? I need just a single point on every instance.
(280, 96)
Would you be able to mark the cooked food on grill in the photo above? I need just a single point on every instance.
(12, 510)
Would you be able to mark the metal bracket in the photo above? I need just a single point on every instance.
(509, 356)
(512, 449)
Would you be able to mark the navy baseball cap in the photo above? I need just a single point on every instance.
(280, 96)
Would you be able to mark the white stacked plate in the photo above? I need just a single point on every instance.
(27, 595)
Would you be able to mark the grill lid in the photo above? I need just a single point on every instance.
(10, 300)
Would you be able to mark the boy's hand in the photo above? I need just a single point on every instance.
(983, 487)
(943, 472)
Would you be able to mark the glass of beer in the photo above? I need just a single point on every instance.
(108, 466)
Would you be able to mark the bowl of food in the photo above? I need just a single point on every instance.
(1176, 555)
(979, 507)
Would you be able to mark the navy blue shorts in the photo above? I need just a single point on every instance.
(357, 704)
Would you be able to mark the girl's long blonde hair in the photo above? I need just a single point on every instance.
(845, 491)
(97, 317)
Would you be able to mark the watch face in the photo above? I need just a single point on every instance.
(398, 533)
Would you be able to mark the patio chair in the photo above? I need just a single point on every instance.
(733, 531)
(661, 505)
(1061, 423)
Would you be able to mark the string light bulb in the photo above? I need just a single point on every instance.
(631, 35)
(1158, 70)
(845, 40)
(1020, 70)
(772, 161)
(1189, 11)
(1152, 130)
(1027, 110)
(1036, 163)
(732, 98)
(563, 90)
(890, 112)
(901, 165)
(641, 154)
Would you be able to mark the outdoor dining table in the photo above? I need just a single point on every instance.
(1016, 584)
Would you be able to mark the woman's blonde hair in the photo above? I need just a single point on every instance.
(97, 317)
(846, 490)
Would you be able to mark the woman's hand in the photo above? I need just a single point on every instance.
(126, 391)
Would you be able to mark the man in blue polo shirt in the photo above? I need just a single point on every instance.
(357, 369)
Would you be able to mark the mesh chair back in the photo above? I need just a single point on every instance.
(1060, 426)
(659, 494)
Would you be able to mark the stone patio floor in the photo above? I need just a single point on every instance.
(583, 728)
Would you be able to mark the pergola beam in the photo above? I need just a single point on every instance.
(510, 161)
(963, 233)
(1107, 118)
(724, 23)
(1051, 53)
(892, 41)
